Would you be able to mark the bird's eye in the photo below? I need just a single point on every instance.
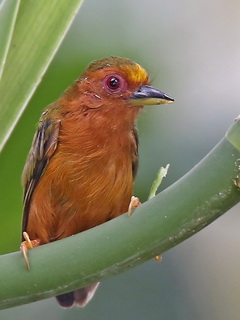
(114, 83)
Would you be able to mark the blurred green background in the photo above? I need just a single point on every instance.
(191, 50)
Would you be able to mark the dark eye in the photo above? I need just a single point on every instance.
(114, 83)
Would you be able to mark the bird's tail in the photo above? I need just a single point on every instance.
(77, 298)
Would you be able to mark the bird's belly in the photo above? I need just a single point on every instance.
(75, 201)
(105, 194)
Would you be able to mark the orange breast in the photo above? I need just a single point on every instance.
(87, 182)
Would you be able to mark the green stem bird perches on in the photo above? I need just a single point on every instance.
(178, 212)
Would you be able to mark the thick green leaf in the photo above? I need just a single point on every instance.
(39, 30)
(8, 14)
(233, 134)
(175, 214)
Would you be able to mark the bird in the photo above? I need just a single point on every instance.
(83, 160)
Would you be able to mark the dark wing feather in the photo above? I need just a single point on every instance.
(43, 147)
(135, 156)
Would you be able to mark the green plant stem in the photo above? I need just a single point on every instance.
(162, 172)
(190, 204)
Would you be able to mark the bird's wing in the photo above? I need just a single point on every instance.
(135, 157)
(43, 147)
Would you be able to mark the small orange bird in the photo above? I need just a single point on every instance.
(84, 156)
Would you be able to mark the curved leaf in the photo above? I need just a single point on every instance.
(181, 210)
(39, 30)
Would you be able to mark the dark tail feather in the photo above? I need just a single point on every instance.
(66, 300)
(77, 298)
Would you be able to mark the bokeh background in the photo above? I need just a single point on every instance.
(191, 48)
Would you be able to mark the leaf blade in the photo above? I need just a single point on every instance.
(39, 30)
(172, 216)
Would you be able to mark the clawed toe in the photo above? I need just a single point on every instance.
(134, 203)
(26, 245)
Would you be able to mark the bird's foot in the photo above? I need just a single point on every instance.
(26, 245)
(134, 203)
(158, 258)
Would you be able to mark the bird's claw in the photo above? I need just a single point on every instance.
(158, 258)
(134, 203)
(26, 245)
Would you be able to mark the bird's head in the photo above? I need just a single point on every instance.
(116, 88)
(120, 80)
